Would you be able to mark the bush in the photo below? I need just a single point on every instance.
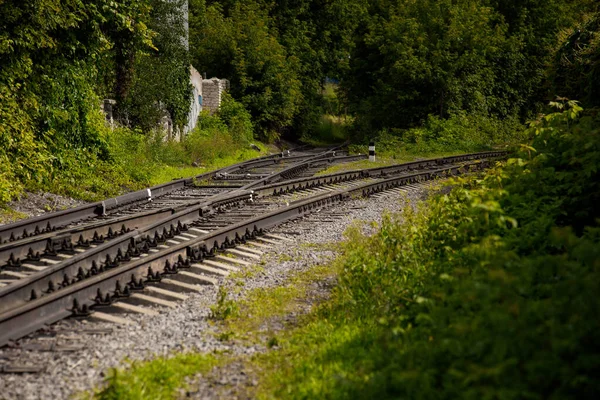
(459, 133)
(127, 160)
(489, 292)
(210, 140)
(237, 119)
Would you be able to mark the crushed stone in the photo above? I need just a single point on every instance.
(34, 204)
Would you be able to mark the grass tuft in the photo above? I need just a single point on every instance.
(157, 379)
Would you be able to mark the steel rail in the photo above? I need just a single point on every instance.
(304, 164)
(117, 281)
(293, 185)
(262, 163)
(291, 171)
(155, 225)
(14, 254)
(152, 228)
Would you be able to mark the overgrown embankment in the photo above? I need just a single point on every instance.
(132, 160)
(489, 291)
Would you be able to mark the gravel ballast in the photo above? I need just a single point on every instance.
(94, 347)
(35, 204)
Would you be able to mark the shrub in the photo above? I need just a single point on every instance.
(459, 133)
(210, 140)
(489, 292)
(237, 119)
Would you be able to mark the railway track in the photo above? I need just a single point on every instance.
(35, 252)
(180, 250)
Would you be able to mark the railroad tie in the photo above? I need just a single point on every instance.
(204, 279)
(209, 270)
(21, 369)
(183, 285)
(134, 309)
(15, 274)
(262, 239)
(49, 261)
(221, 265)
(273, 236)
(199, 230)
(244, 254)
(233, 260)
(260, 245)
(248, 249)
(154, 300)
(110, 318)
(166, 293)
(33, 267)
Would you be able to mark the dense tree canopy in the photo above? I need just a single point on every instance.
(59, 57)
(414, 59)
(399, 61)
(576, 66)
(400, 64)
(238, 45)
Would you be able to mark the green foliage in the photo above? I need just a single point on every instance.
(157, 379)
(460, 132)
(320, 36)
(276, 54)
(575, 72)
(489, 292)
(487, 58)
(225, 308)
(237, 119)
(240, 46)
(331, 101)
(52, 135)
(161, 77)
(134, 161)
(212, 139)
(330, 130)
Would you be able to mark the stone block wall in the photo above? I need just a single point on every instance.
(212, 91)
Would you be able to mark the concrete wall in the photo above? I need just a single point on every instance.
(196, 106)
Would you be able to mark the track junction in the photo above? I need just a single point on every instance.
(148, 247)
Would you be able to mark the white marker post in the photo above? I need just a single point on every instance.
(372, 151)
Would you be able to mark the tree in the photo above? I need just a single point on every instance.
(421, 58)
(484, 57)
(161, 75)
(241, 48)
(575, 70)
